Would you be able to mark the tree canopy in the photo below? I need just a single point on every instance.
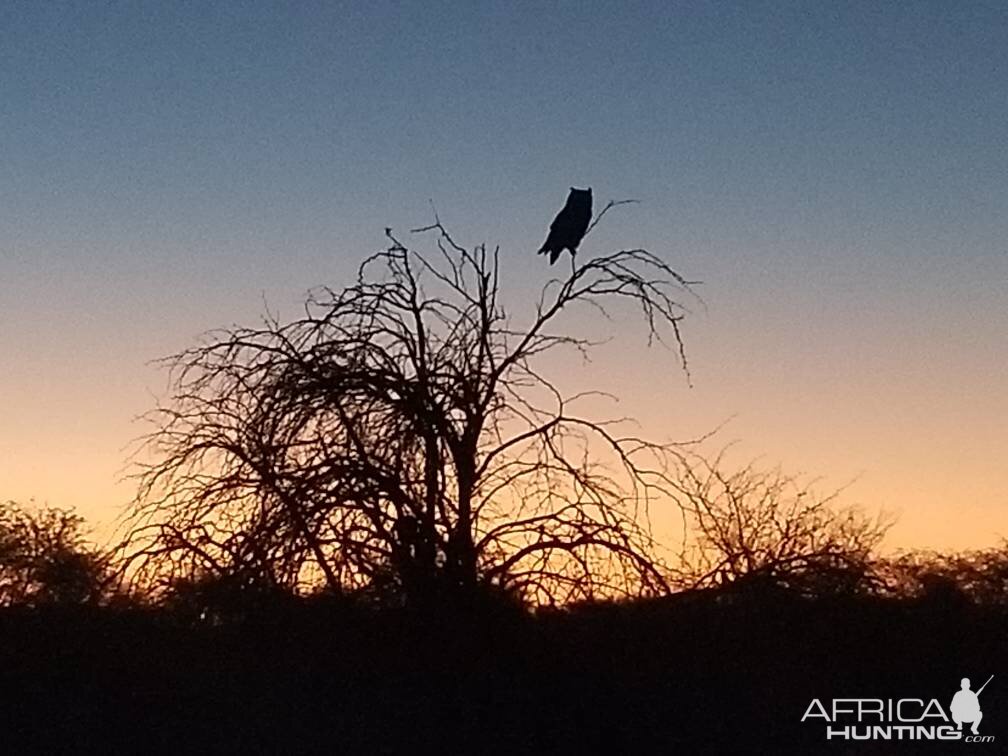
(402, 437)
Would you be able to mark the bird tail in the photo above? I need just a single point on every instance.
(554, 253)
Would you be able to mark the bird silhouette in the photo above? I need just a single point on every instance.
(569, 227)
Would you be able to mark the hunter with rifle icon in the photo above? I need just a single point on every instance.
(966, 704)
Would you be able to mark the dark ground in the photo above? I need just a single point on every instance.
(693, 675)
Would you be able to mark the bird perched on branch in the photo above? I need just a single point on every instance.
(570, 225)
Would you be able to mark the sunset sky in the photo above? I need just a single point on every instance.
(835, 173)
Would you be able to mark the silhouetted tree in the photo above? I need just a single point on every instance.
(761, 529)
(401, 436)
(45, 560)
(224, 597)
(978, 576)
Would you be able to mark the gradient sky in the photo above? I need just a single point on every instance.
(835, 173)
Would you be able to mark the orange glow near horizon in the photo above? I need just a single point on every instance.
(936, 471)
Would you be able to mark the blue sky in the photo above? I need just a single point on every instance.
(836, 174)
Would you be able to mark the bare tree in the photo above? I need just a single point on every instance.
(400, 436)
(764, 528)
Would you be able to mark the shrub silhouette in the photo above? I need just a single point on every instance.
(44, 559)
(978, 576)
(758, 531)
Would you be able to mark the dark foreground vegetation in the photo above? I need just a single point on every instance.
(223, 665)
(702, 672)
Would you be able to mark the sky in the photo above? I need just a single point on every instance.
(835, 173)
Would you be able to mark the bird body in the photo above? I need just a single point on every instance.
(569, 227)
